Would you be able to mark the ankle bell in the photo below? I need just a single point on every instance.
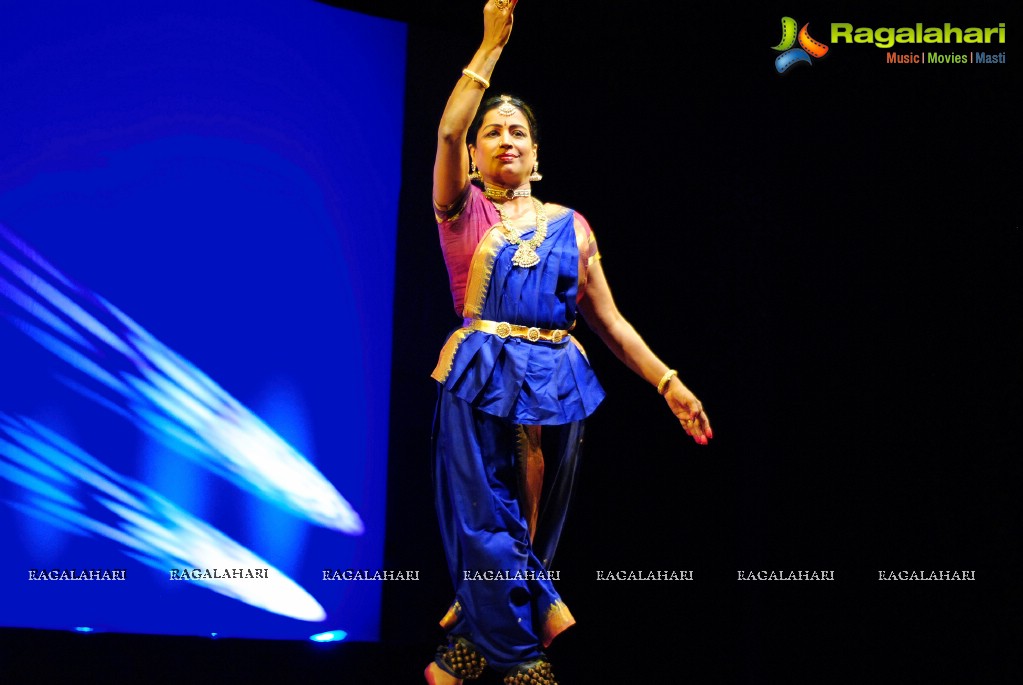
(461, 658)
(536, 672)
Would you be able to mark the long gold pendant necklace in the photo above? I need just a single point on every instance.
(525, 255)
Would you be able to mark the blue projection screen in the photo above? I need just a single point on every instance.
(198, 212)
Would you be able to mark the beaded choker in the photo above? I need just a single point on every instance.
(499, 193)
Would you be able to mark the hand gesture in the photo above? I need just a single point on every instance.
(497, 22)
(689, 411)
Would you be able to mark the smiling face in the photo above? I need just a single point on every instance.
(504, 151)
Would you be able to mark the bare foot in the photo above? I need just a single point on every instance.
(435, 675)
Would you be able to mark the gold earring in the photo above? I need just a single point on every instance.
(536, 175)
(474, 173)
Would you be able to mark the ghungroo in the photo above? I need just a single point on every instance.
(536, 672)
(461, 659)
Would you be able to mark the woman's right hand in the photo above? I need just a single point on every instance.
(497, 22)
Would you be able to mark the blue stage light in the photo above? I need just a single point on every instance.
(84, 629)
(329, 636)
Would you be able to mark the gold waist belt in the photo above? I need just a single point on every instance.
(503, 329)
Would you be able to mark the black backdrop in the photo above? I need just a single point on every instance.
(827, 256)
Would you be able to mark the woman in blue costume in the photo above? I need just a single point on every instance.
(519, 271)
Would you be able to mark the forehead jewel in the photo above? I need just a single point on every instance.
(507, 108)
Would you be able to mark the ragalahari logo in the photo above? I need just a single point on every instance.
(808, 50)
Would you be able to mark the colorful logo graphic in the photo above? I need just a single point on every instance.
(808, 50)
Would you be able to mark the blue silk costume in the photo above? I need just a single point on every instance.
(500, 501)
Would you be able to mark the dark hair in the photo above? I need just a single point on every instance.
(493, 103)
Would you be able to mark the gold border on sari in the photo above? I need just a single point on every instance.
(531, 466)
(482, 265)
(454, 611)
(579, 345)
(557, 621)
(480, 269)
(447, 354)
(554, 212)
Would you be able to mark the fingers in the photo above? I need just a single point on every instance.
(694, 429)
(498, 17)
(697, 425)
(705, 424)
(689, 411)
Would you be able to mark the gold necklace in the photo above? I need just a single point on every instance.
(525, 256)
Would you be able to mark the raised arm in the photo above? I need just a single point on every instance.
(452, 161)
(602, 315)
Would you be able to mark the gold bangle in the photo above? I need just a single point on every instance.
(665, 379)
(473, 76)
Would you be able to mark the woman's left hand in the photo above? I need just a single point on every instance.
(689, 411)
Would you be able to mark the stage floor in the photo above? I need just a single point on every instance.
(668, 651)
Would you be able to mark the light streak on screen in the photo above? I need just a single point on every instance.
(164, 395)
(198, 220)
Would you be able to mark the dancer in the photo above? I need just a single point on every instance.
(520, 270)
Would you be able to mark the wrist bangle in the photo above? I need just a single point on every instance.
(473, 76)
(665, 379)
